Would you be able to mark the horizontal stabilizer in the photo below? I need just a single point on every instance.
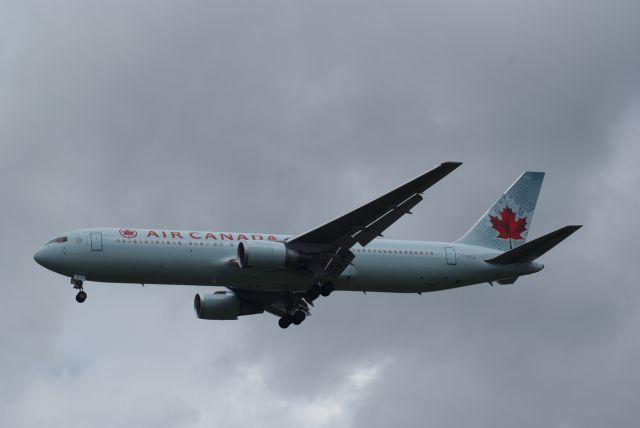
(532, 250)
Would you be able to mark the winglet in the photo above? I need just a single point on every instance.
(532, 250)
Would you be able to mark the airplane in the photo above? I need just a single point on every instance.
(284, 274)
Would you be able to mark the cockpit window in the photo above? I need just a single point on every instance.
(58, 240)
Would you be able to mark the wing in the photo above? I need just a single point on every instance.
(331, 242)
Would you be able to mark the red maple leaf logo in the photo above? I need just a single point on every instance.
(507, 226)
(128, 233)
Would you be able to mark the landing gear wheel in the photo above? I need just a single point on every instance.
(285, 321)
(314, 291)
(81, 296)
(326, 288)
(298, 317)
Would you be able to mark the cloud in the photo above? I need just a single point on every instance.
(274, 117)
(132, 385)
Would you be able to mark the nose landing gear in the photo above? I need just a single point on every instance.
(81, 296)
(77, 284)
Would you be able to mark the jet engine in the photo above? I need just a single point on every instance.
(268, 255)
(223, 305)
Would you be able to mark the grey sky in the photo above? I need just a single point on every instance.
(276, 116)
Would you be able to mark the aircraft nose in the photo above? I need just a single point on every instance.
(41, 257)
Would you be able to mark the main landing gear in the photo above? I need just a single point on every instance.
(77, 284)
(295, 319)
(319, 288)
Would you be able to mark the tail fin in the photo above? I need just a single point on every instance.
(506, 224)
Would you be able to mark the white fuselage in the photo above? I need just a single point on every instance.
(209, 258)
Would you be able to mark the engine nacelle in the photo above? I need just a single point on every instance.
(223, 305)
(268, 255)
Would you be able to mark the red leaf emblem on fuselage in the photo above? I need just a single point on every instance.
(507, 225)
(128, 233)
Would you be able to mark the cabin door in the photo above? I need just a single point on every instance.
(96, 241)
(451, 255)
